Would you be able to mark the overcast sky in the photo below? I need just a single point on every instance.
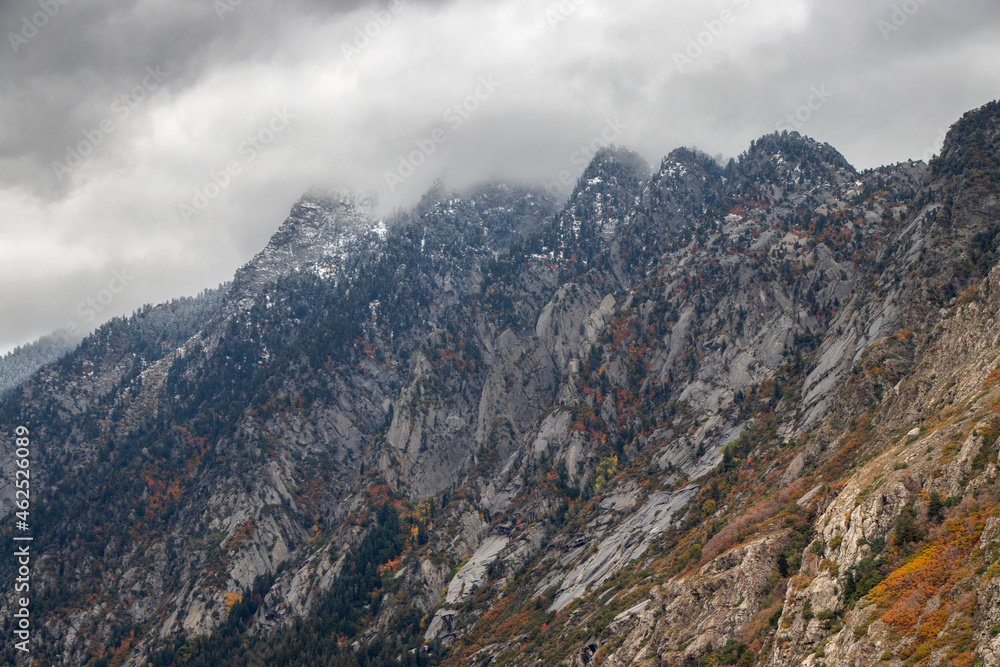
(116, 114)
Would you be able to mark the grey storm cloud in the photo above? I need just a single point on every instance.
(167, 140)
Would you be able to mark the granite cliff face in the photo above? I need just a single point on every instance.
(698, 414)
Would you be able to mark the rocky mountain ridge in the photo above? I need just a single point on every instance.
(704, 414)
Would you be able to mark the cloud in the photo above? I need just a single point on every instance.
(365, 85)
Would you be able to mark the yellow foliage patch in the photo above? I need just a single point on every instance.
(931, 573)
(991, 379)
(232, 599)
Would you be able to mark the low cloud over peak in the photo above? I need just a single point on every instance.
(169, 139)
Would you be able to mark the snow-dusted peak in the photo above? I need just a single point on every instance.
(321, 231)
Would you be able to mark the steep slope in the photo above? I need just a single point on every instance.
(696, 354)
(21, 363)
(740, 414)
(253, 429)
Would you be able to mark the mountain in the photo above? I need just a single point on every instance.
(21, 363)
(741, 414)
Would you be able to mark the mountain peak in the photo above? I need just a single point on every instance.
(790, 160)
(619, 162)
(794, 148)
(972, 146)
(318, 234)
(601, 200)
